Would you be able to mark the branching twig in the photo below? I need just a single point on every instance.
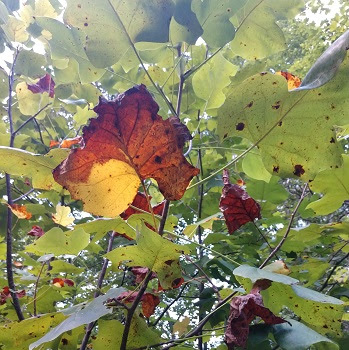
(277, 248)
(101, 276)
(10, 278)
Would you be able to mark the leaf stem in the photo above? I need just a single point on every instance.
(36, 287)
(277, 248)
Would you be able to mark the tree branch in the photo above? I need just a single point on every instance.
(277, 248)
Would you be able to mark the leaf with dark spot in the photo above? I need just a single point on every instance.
(298, 170)
(237, 206)
(240, 126)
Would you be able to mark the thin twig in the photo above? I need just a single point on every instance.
(332, 271)
(31, 118)
(169, 306)
(10, 278)
(36, 287)
(164, 217)
(262, 235)
(101, 276)
(277, 248)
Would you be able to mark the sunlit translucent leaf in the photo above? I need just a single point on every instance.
(20, 335)
(58, 242)
(15, 29)
(214, 17)
(20, 211)
(277, 266)
(105, 22)
(211, 79)
(298, 336)
(155, 252)
(62, 216)
(253, 167)
(326, 66)
(258, 35)
(110, 334)
(30, 103)
(184, 24)
(38, 167)
(89, 313)
(334, 185)
(30, 63)
(292, 81)
(262, 110)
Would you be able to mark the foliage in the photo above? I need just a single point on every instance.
(120, 122)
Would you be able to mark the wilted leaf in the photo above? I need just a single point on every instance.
(243, 310)
(44, 84)
(155, 252)
(237, 206)
(61, 282)
(5, 294)
(107, 172)
(61, 217)
(66, 143)
(20, 211)
(36, 231)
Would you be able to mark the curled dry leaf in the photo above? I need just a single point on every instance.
(45, 84)
(243, 310)
(237, 206)
(36, 231)
(149, 301)
(5, 294)
(127, 143)
(20, 211)
(292, 80)
(61, 282)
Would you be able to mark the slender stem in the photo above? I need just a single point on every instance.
(131, 311)
(36, 287)
(262, 235)
(101, 276)
(168, 306)
(10, 278)
(164, 217)
(31, 118)
(149, 205)
(277, 248)
(332, 271)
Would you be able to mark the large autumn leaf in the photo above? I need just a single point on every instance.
(127, 143)
(154, 252)
(283, 123)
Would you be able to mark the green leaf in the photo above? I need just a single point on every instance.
(284, 123)
(29, 63)
(19, 335)
(153, 251)
(184, 24)
(211, 79)
(104, 23)
(57, 242)
(326, 66)
(86, 313)
(59, 266)
(258, 35)
(334, 184)
(214, 17)
(298, 336)
(36, 166)
(253, 167)
(3, 84)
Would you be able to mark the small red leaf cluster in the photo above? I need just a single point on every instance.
(243, 310)
(5, 294)
(61, 282)
(36, 231)
(45, 84)
(149, 301)
(237, 206)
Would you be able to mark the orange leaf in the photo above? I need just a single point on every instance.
(20, 211)
(61, 282)
(54, 143)
(149, 303)
(292, 81)
(127, 143)
(67, 143)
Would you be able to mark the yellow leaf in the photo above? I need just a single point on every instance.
(62, 216)
(20, 211)
(278, 266)
(15, 29)
(181, 326)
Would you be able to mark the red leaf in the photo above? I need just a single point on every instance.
(140, 273)
(45, 84)
(61, 282)
(237, 206)
(127, 297)
(36, 231)
(243, 310)
(5, 294)
(149, 303)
